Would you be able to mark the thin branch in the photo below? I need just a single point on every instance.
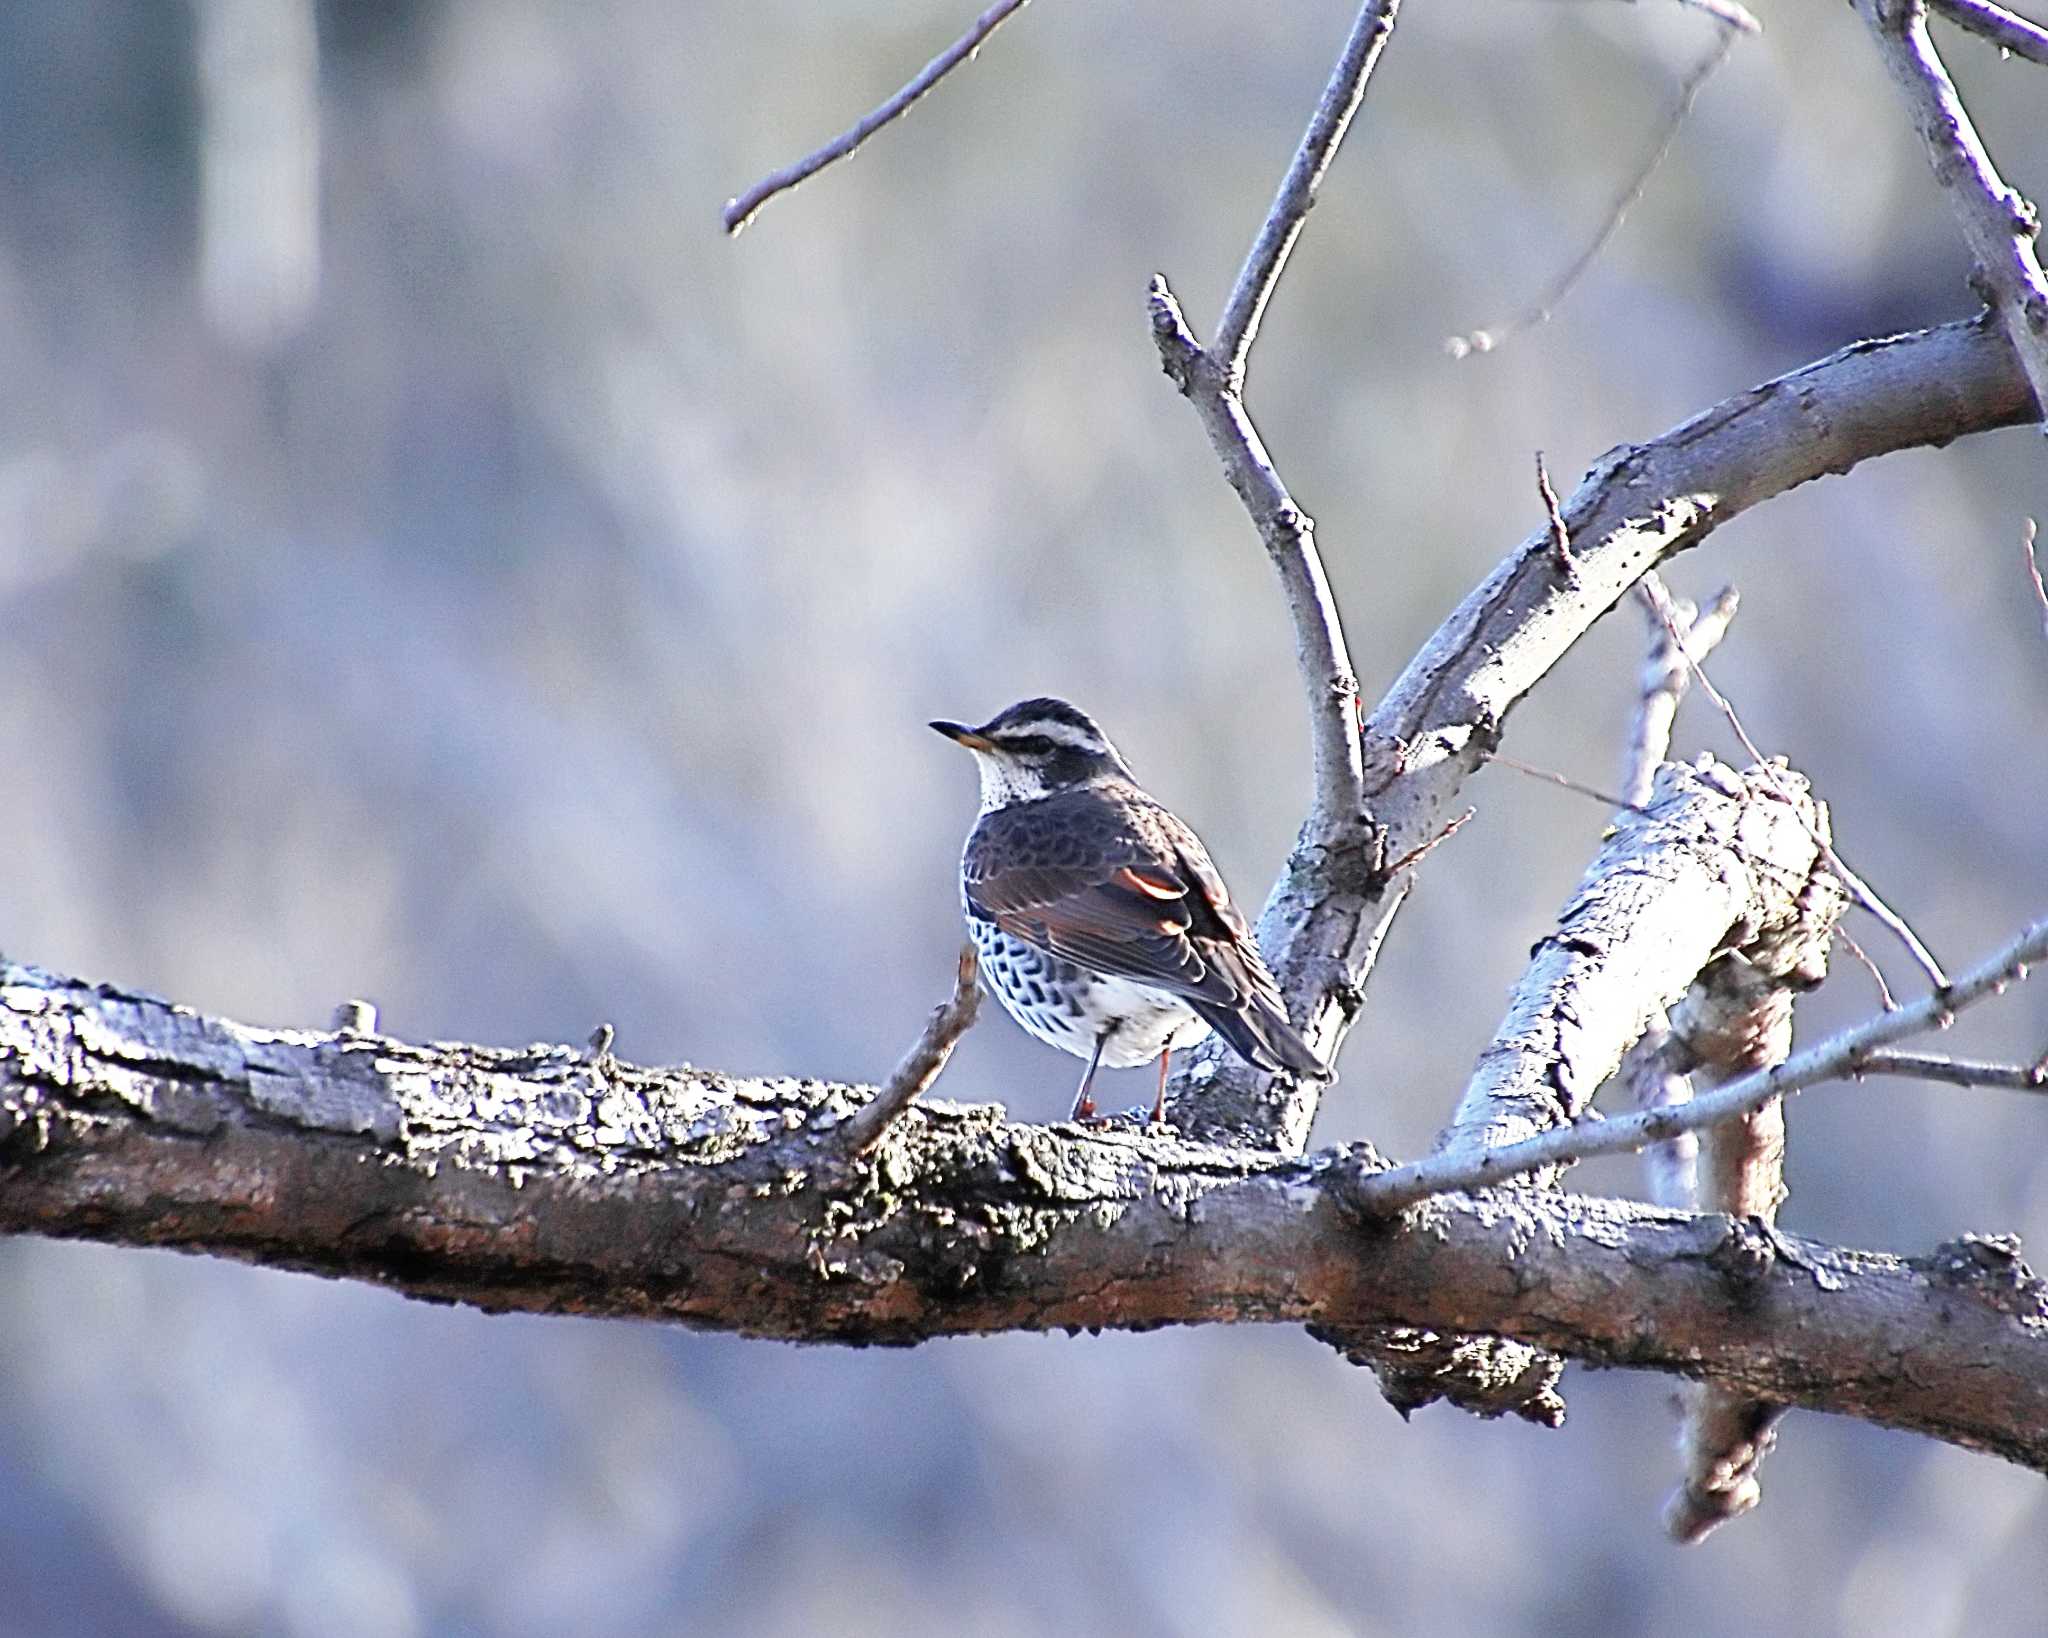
(1560, 536)
(1664, 677)
(2027, 534)
(741, 210)
(1389, 1191)
(1486, 340)
(1864, 894)
(1885, 998)
(1649, 1071)
(1415, 855)
(1289, 536)
(1998, 224)
(1935, 1066)
(2004, 29)
(1564, 782)
(950, 1020)
(1238, 328)
(1645, 502)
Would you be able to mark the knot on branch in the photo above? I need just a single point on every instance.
(1488, 1376)
(1180, 354)
(1989, 1266)
(1743, 1255)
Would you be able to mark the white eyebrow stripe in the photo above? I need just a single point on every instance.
(1060, 733)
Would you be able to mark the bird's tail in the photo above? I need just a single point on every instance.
(1260, 1034)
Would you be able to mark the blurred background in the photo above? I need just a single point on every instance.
(436, 565)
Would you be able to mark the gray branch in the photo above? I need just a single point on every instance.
(547, 1180)
(1716, 862)
(1998, 224)
(1833, 1059)
(2004, 29)
(1735, 1020)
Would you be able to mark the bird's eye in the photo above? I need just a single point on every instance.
(1033, 745)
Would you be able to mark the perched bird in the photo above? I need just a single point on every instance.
(1101, 924)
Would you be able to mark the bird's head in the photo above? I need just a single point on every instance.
(1037, 748)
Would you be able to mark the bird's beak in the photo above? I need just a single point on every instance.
(962, 735)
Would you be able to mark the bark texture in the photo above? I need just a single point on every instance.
(550, 1180)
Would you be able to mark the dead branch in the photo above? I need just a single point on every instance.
(921, 1065)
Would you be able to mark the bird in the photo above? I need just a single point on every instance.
(1101, 924)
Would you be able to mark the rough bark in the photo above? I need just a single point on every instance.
(551, 1180)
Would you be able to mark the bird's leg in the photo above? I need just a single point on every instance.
(1084, 1105)
(1159, 1103)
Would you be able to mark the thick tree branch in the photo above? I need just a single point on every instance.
(1998, 224)
(548, 1181)
(1738, 1019)
(1716, 862)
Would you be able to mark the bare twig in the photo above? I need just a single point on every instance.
(1563, 781)
(1484, 341)
(2027, 535)
(740, 211)
(1864, 894)
(1885, 998)
(2018, 35)
(921, 1064)
(1289, 536)
(1935, 1066)
(1239, 325)
(1445, 1173)
(1652, 1080)
(1421, 850)
(1998, 224)
(1664, 679)
(1560, 536)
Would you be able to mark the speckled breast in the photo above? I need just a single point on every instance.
(1070, 1007)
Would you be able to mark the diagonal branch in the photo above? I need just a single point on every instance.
(1865, 895)
(740, 211)
(549, 1182)
(1330, 915)
(1937, 1066)
(921, 1065)
(1717, 862)
(2004, 29)
(1998, 224)
(1832, 1060)
(1238, 328)
(1640, 505)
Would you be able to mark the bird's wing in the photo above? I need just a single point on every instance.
(1094, 883)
